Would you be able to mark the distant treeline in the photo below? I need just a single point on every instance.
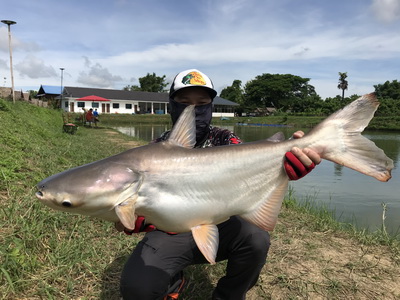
(293, 94)
(287, 93)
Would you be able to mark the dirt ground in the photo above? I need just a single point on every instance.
(304, 264)
(308, 264)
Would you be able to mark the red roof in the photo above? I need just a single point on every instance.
(92, 98)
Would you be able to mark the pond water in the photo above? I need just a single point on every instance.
(354, 197)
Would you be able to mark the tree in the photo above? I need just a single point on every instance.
(32, 93)
(333, 104)
(149, 83)
(388, 107)
(311, 105)
(343, 84)
(234, 92)
(277, 90)
(388, 90)
(132, 88)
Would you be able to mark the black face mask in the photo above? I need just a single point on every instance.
(203, 118)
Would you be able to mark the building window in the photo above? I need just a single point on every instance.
(116, 105)
(128, 106)
(95, 104)
(81, 104)
(66, 104)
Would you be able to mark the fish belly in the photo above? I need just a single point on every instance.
(186, 195)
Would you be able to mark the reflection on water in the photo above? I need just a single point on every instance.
(144, 132)
(355, 197)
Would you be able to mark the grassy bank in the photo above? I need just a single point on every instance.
(47, 254)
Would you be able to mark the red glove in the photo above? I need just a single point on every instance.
(294, 167)
(140, 226)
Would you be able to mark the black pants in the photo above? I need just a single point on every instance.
(160, 256)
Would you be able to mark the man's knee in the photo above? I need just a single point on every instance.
(143, 286)
(260, 242)
(257, 240)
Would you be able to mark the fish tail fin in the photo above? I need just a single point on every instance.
(339, 139)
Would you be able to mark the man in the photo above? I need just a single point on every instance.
(89, 117)
(95, 117)
(154, 270)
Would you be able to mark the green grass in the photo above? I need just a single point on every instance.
(46, 254)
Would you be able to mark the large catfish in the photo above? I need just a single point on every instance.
(180, 189)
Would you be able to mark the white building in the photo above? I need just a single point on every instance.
(120, 101)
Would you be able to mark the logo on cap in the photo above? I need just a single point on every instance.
(194, 78)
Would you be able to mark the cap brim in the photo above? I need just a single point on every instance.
(211, 92)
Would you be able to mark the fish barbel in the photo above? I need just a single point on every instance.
(179, 188)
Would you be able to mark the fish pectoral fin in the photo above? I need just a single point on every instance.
(126, 213)
(207, 240)
(266, 215)
(277, 137)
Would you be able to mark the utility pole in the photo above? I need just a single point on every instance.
(61, 94)
(9, 23)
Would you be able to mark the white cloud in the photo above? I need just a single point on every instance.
(16, 43)
(3, 39)
(3, 64)
(97, 76)
(34, 67)
(386, 10)
(325, 44)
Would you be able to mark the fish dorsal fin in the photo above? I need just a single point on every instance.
(184, 131)
(207, 240)
(266, 215)
(126, 212)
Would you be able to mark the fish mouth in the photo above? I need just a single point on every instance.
(42, 197)
(40, 187)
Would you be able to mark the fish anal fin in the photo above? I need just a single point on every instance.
(126, 213)
(207, 240)
(184, 131)
(266, 215)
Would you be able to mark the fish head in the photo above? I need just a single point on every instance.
(94, 189)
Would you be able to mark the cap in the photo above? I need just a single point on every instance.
(190, 78)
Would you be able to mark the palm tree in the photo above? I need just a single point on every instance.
(343, 84)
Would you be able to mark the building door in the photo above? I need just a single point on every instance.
(105, 107)
(71, 107)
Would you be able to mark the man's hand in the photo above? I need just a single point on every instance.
(140, 226)
(299, 162)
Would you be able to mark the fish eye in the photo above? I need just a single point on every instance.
(66, 204)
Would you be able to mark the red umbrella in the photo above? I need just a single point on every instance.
(92, 98)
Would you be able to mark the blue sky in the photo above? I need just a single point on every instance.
(110, 44)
